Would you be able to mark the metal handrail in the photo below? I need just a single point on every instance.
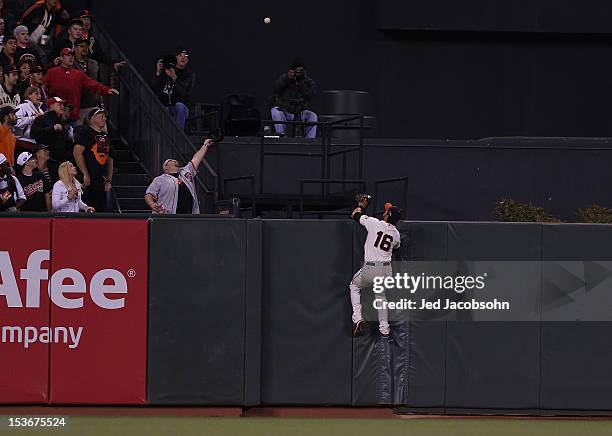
(115, 199)
(392, 180)
(313, 123)
(250, 177)
(344, 120)
(158, 135)
(325, 182)
(326, 153)
(345, 151)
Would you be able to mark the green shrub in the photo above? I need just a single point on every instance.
(595, 214)
(507, 210)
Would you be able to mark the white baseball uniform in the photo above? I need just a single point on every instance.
(382, 239)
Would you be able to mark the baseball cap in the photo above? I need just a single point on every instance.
(39, 147)
(2, 158)
(298, 62)
(20, 29)
(8, 69)
(95, 111)
(75, 21)
(168, 160)
(66, 51)
(395, 214)
(85, 14)
(51, 101)
(24, 157)
(182, 50)
(81, 41)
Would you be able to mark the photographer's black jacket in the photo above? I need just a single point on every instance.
(287, 90)
(185, 82)
(170, 92)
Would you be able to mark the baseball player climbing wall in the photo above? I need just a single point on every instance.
(382, 239)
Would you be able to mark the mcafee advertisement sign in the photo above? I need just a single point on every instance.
(24, 310)
(98, 289)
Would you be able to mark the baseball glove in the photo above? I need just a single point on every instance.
(363, 200)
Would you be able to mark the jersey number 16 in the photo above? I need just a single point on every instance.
(385, 244)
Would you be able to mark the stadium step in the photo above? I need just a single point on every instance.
(124, 155)
(126, 179)
(129, 167)
(130, 204)
(130, 180)
(127, 191)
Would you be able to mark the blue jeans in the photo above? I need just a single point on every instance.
(307, 116)
(179, 112)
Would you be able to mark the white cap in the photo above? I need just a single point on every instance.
(23, 158)
(2, 158)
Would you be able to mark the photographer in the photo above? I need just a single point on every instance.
(294, 91)
(173, 84)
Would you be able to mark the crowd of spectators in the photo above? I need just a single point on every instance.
(55, 153)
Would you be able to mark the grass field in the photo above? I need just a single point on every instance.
(83, 425)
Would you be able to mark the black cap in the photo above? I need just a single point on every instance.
(76, 21)
(39, 147)
(395, 214)
(298, 62)
(95, 111)
(8, 69)
(87, 14)
(81, 41)
(182, 50)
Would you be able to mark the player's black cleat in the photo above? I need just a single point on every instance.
(358, 328)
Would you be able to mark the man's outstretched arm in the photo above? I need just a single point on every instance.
(197, 158)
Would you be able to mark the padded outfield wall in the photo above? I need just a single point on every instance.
(207, 311)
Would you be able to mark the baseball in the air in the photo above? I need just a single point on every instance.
(267, 20)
